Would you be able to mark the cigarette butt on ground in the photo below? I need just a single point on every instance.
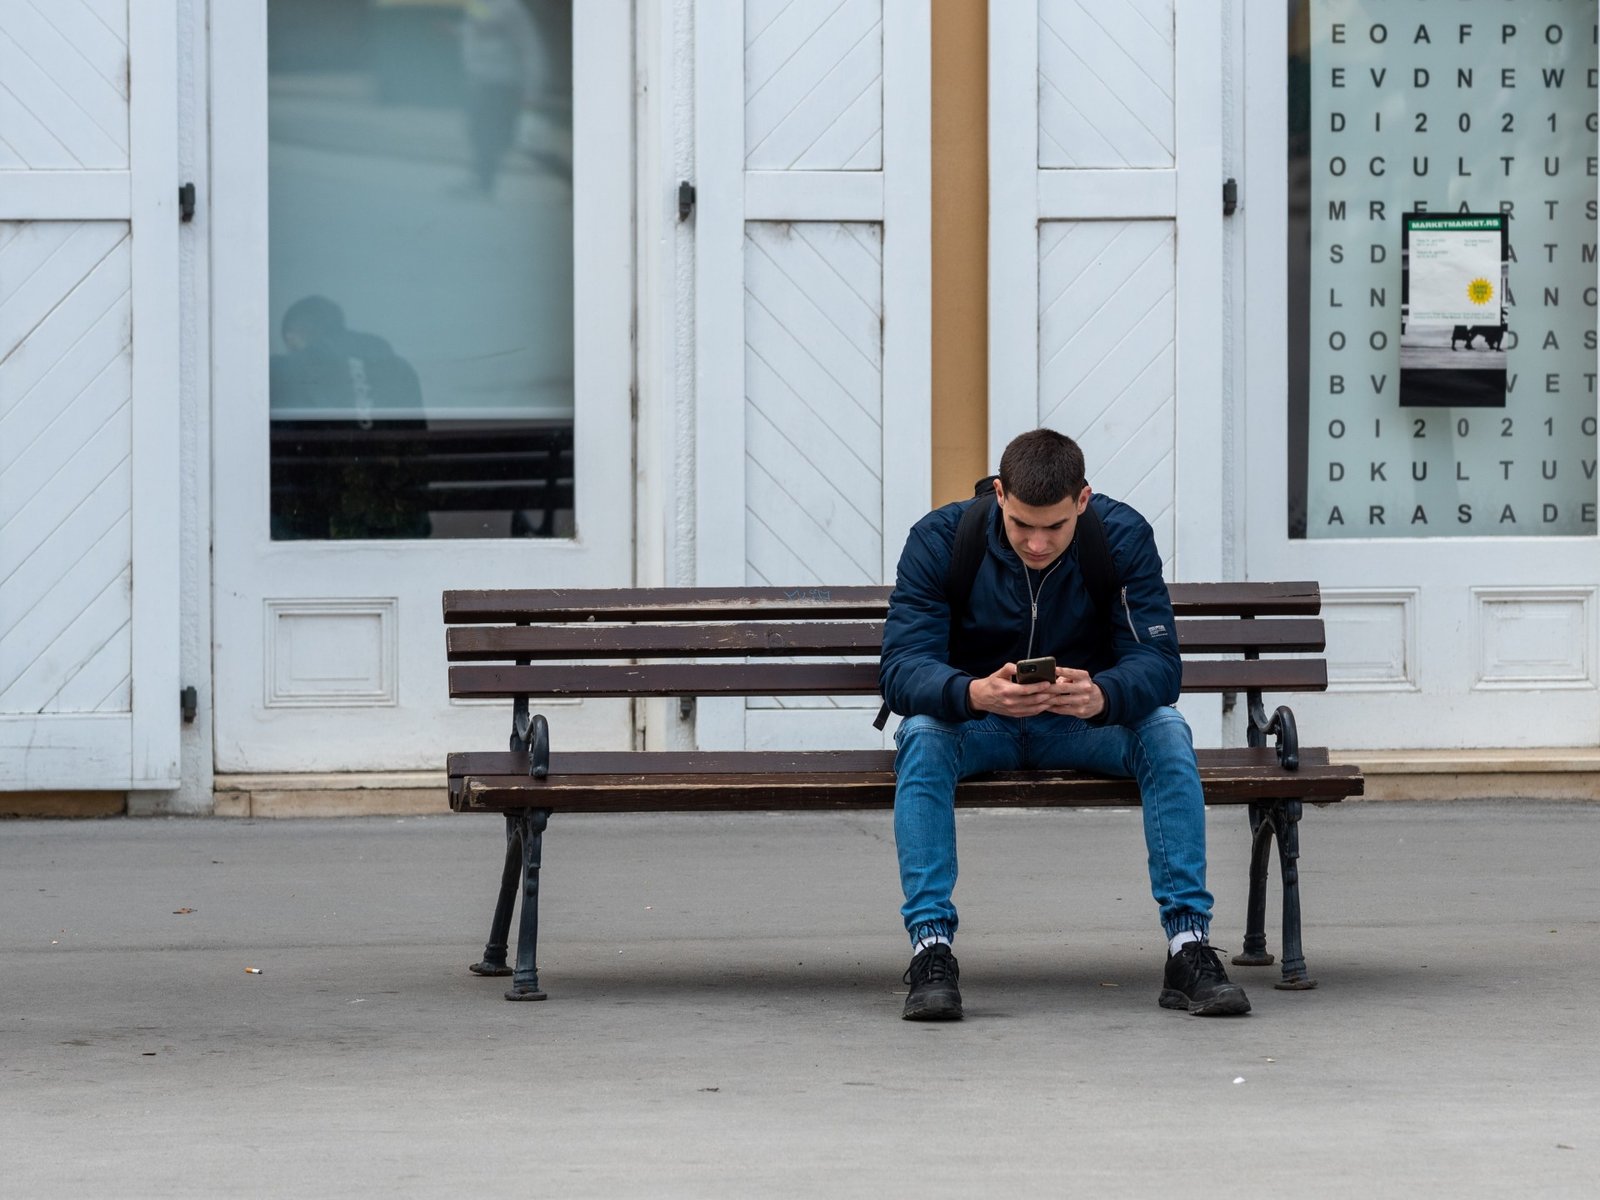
(252, 970)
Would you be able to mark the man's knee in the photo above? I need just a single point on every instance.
(1164, 732)
(923, 728)
(927, 756)
(1165, 720)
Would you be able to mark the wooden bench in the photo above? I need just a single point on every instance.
(1248, 638)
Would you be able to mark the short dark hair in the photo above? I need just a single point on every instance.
(1042, 467)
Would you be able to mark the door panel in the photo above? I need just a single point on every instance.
(1106, 84)
(793, 124)
(1105, 258)
(88, 412)
(813, 403)
(1107, 360)
(811, 315)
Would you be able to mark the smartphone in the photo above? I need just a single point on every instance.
(1036, 670)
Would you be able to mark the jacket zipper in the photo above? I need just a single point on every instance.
(1033, 598)
(1128, 612)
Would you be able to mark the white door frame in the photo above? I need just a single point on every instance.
(413, 727)
(138, 749)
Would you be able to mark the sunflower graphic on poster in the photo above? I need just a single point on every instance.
(1453, 334)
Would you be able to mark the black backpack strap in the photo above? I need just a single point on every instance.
(1095, 561)
(967, 551)
(966, 554)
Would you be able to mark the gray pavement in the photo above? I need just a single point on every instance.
(723, 1013)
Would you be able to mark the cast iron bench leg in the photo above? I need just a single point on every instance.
(494, 953)
(531, 824)
(1255, 918)
(1287, 819)
(1279, 820)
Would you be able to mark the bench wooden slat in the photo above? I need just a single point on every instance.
(781, 791)
(813, 679)
(752, 639)
(674, 762)
(1285, 599)
(509, 606)
(662, 604)
(667, 679)
(1225, 635)
(498, 643)
(1243, 675)
(821, 763)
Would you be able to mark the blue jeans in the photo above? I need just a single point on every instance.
(1157, 751)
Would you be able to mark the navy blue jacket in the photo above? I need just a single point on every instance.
(1133, 656)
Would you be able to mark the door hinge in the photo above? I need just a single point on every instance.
(186, 195)
(189, 699)
(685, 199)
(1230, 197)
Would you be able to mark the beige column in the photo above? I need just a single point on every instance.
(960, 202)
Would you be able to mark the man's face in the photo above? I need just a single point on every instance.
(1040, 535)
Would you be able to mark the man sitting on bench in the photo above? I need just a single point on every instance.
(1043, 569)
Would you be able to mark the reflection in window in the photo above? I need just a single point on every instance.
(421, 268)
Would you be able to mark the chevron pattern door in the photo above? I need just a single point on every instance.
(1106, 84)
(1105, 218)
(1105, 243)
(88, 438)
(1107, 361)
(812, 315)
(813, 403)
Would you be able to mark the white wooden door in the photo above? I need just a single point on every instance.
(1437, 638)
(1105, 259)
(329, 654)
(811, 315)
(88, 396)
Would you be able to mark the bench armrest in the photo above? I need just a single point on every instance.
(1281, 726)
(531, 735)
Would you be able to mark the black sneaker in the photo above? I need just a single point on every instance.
(1196, 981)
(934, 995)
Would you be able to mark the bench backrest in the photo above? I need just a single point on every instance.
(568, 642)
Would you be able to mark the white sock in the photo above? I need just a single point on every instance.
(1182, 939)
(937, 939)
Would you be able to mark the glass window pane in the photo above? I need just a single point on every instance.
(1442, 367)
(421, 268)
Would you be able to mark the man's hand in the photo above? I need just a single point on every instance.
(1072, 694)
(999, 693)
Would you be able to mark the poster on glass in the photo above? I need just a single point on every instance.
(1453, 333)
